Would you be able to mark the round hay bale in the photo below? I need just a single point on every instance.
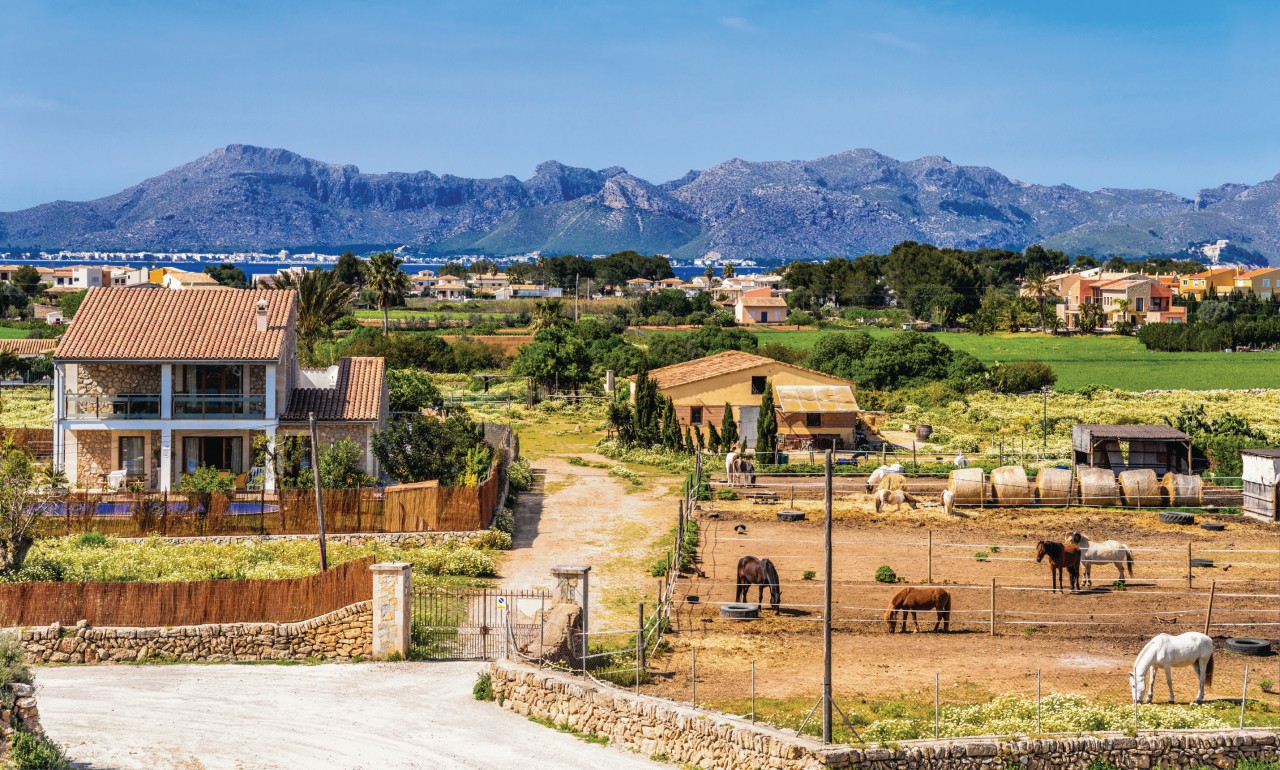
(892, 481)
(1097, 486)
(1009, 485)
(1054, 486)
(1141, 488)
(967, 485)
(1181, 490)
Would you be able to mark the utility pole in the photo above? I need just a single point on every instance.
(315, 475)
(826, 612)
(575, 297)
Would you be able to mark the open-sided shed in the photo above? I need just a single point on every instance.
(1131, 447)
(1261, 477)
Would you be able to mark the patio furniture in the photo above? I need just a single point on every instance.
(115, 480)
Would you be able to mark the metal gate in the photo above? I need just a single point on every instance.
(474, 624)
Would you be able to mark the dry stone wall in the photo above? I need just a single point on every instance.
(714, 741)
(343, 634)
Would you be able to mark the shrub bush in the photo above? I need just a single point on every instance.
(520, 476)
(94, 539)
(483, 689)
(36, 752)
(886, 575)
(505, 521)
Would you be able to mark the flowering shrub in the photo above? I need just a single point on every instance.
(520, 476)
(505, 521)
(673, 462)
(626, 474)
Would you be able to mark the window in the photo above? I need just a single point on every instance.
(757, 385)
(695, 415)
(222, 452)
(1266, 283)
(1138, 305)
(132, 456)
(813, 420)
(211, 378)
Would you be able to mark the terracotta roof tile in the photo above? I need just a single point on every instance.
(356, 395)
(749, 301)
(728, 362)
(28, 347)
(130, 324)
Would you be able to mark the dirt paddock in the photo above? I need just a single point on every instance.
(1083, 642)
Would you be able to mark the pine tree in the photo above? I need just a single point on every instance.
(728, 430)
(767, 425)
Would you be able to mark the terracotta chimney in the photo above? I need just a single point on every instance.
(263, 305)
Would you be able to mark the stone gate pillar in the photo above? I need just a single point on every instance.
(392, 608)
(573, 585)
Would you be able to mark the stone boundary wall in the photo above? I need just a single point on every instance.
(408, 539)
(343, 634)
(712, 741)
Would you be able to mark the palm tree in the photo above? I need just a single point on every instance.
(1123, 306)
(321, 298)
(710, 275)
(388, 282)
(548, 313)
(1039, 288)
(1090, 317)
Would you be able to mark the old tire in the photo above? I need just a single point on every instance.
(1202, 562)
(1177, 517)
(790, 515)
(1242, 645)
(739, 611)
(1213, 526)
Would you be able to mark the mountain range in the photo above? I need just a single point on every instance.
(256, 199)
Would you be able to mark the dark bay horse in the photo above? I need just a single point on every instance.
(753, 571)
(1061, 556)
(913, 600)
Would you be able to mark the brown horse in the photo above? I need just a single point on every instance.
(753, 571)
(1061, 556)
(913, 600)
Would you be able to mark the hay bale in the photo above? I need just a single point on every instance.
(892, 481)
(1097, 486)
(1054, 486)
(1181, 489)
(967, 485)
(1141, 488)
(1009, 485)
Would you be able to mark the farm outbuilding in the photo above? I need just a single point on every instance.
(1261, 476)
(1119, 448)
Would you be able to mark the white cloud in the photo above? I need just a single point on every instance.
(737, 22)
(893, 41)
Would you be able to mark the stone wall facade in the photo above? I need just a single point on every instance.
(257, 384)
(712, 741)
(110, 379)
(92, 455)
(25, 714)
(344, 634)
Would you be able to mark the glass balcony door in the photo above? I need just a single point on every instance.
(226, 453)
(132, 450)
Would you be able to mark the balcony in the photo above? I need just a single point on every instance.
(121, 406)
(216, 406)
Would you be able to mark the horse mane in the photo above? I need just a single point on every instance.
(770, 573)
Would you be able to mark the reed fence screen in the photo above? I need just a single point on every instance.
(157, 605)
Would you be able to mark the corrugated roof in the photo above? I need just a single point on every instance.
(356, 395)
(131, 323)
(815, 398)
(28, 347)
(1273, 453)
(1084, 433)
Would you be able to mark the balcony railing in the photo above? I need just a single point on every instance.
(120, 406)
(218, 405)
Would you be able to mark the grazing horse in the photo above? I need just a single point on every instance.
(894, 497)
(1061, 556)
(1110, 552)
(913, 600)
(1168, 652)
(961, 460)
(948, 502)
(753, 571)
(745, 471)
(729, 460)
(880, 473)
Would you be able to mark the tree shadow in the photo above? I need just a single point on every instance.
(528, 513)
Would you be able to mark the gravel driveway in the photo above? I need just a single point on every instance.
(404, 715)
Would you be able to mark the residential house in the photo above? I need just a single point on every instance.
(1149, 299)
(641, 286)
(1214, 281)
(150, 384)
(181, 279)
(1262, 282)
(423, 282)
(71, 279)
(7, 271)
(813, 409)
(759, 306)
(489, 284)
(528, 290)
(450, 288)
(27, 348)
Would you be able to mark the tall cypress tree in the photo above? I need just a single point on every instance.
(766, 425)
(702, 443)
(688, 440)
(713, 438)
(728, 430)
(670, 426)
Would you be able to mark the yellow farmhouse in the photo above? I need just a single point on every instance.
(814, 409)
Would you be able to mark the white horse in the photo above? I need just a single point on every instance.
(961, 460)
(948, 502)
(729, 465)
(894, 497)
(880, 473)
(1110, 552)
(1169, 652)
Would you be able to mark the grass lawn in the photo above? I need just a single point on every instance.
(7, 333)
(1118, 362)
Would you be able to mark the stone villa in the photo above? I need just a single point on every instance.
(151, 384)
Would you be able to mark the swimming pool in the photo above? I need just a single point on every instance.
(176, 507)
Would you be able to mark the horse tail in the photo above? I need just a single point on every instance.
(879, 502)
(1128, 559)
(1208, 670)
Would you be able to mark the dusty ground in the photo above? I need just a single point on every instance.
(403, 715)
(1083, 642)
(581, 515)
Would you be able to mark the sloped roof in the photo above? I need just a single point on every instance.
(749, 301)
(28, 347)
(1258, 272)
(728, 362)
(356, 395)
(815, 398)
(120, 323)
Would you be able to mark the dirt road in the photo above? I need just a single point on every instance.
(406, 715)
(582, 515)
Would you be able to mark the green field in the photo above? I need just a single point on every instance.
(7, 333)
(1118, 362)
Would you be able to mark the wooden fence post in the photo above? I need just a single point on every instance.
(930, 578)
(1188, 564)
(993, 606)
(1208, 614)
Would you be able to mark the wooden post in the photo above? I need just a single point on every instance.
(930, 579)
(315, 471)
(993, 606)
(1188, 564)
(915, 464)
(640, 646)
(1208, 613)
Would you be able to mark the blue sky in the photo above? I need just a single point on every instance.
(95, 96)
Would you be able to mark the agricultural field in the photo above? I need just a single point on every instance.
(1116, 362)
(1076, 647)
(26, 407)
